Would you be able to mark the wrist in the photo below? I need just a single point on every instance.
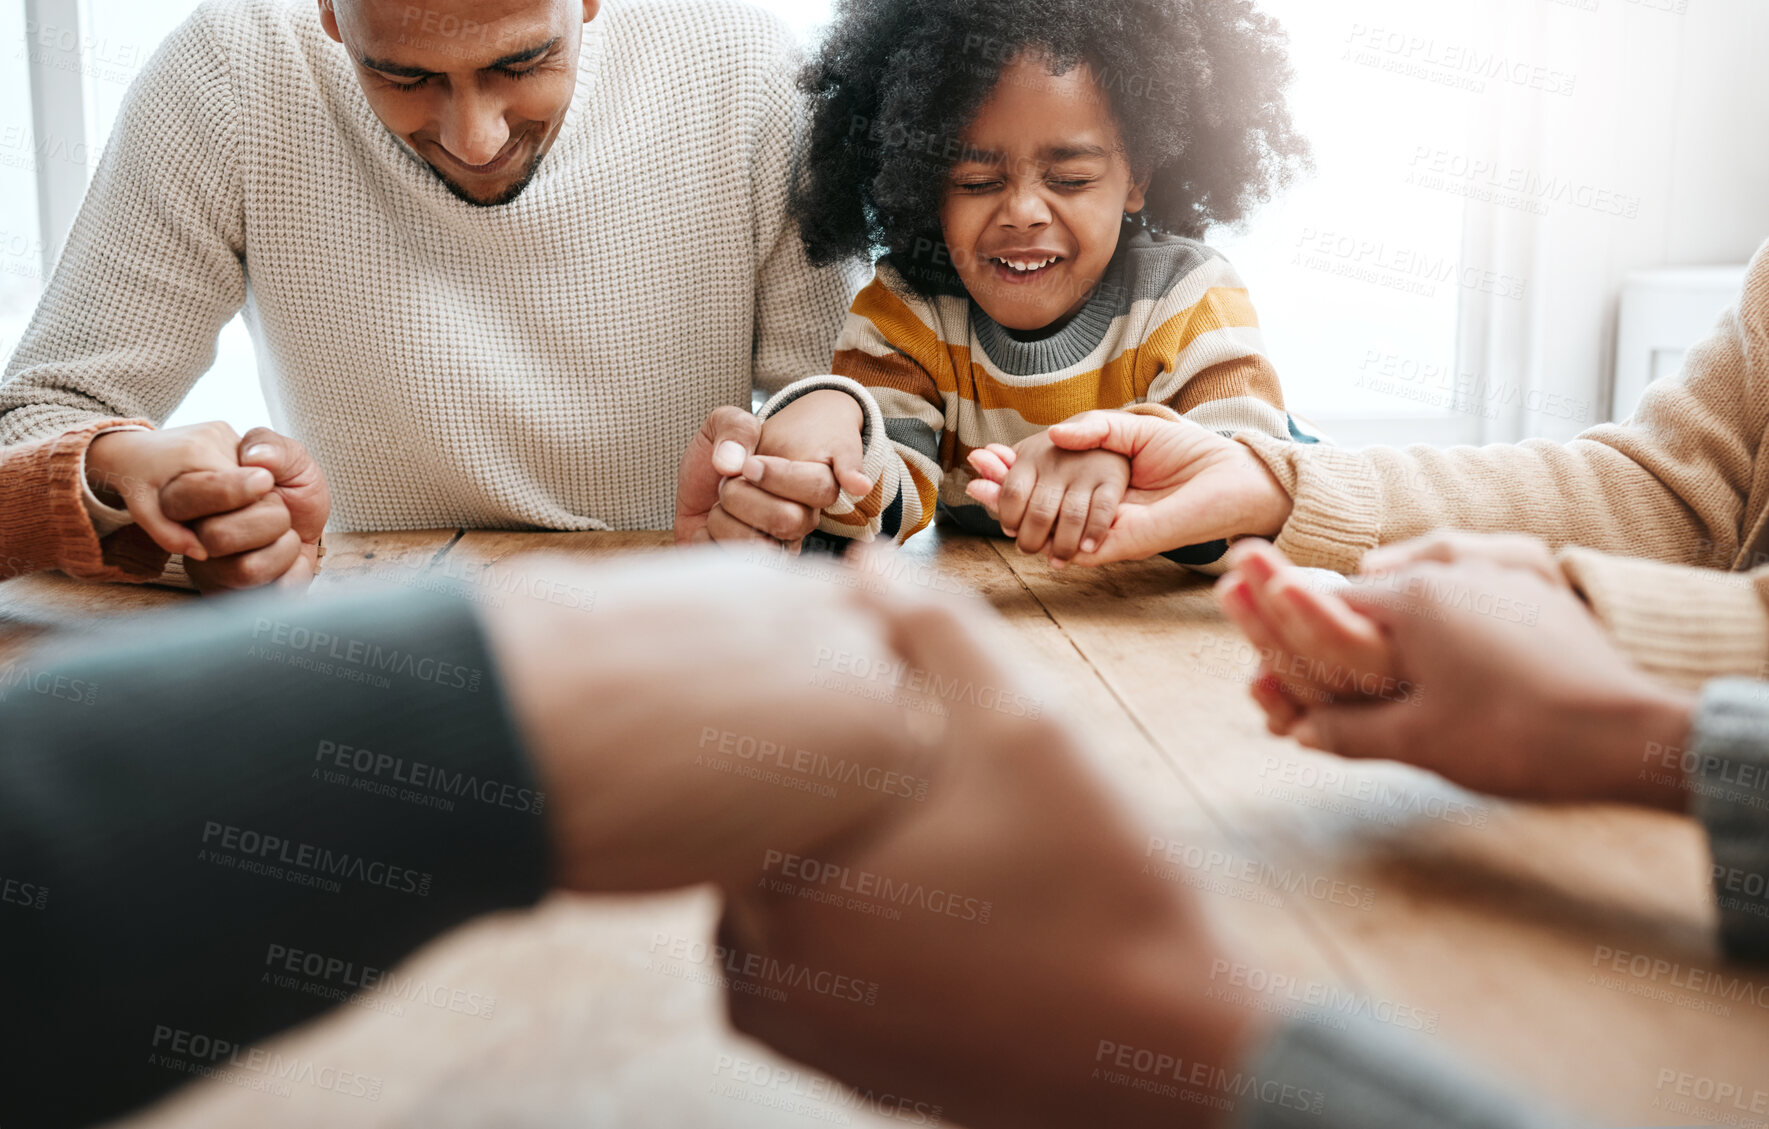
(1271, 506)
(1652, 716)
(103, 460)
(832, 407)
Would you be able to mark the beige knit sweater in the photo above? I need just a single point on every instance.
(1681, 484)
(537, 365)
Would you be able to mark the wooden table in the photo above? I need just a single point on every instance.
(1569, 951)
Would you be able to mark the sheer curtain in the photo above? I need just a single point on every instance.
(1613, 136)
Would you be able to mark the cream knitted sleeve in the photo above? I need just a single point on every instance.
(799, 308)
(154, 265)
(1671, 484)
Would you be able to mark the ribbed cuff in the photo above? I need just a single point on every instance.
(872, 436)
(105, 519)
(47, 525)
(1685, 625)
(1337, 498)
(1729, 774)
(1365, 1078)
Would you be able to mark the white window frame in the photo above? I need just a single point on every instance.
(62, 109)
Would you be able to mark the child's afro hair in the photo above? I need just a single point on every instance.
(1196, 87)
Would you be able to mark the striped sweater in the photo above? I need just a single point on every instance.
(1169, 324)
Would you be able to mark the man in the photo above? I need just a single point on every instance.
(500, 259)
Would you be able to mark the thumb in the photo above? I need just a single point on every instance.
(1119, 432)
(733, 435)
(299, 479)
(845, 460)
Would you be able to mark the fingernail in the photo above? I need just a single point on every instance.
(258, 451)
(752, 468)
(1089, 545)
(260, 480)
(728, 459)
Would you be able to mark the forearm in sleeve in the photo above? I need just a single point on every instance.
(799, 307)
(1670, 484)
(45, 522)
(1686, 625)
(210, 826)
(153, 267)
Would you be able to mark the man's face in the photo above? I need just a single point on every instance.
(478, 88)
(1033, 209)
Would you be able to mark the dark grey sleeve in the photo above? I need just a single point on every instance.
(1727, 765)
(232, 818)
(1367, 1078)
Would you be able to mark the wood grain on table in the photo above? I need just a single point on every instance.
(1371, 889)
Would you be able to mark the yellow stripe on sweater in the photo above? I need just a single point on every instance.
(928, 368)
(1124, 378)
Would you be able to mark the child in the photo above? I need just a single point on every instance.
(52, 509)
(1036, 176)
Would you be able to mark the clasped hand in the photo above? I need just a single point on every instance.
(244, 513)
(743, 480)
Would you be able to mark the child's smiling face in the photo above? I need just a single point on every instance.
(1033, 208)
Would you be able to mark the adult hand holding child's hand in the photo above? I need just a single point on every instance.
(745, 480)
(243, 513)
(1050, 498)
(1188, 485)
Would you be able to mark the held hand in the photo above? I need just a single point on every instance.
(1061, 500)
(1049, 936)
(1515, 690)
(136, 467)
(809, 452)
(821, 427)
(643, 743)
(1187, 485)
(302, 486)
(275, 540)
(1313, 647)
(735, 486)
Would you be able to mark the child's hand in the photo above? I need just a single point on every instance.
(809, 452)
(1055, 500)
(195, 471)
(820, 427)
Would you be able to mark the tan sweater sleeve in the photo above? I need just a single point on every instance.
(1671, 484)
(1686, 625)
(43, 519)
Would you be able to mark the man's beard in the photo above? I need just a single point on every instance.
(501, 198)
